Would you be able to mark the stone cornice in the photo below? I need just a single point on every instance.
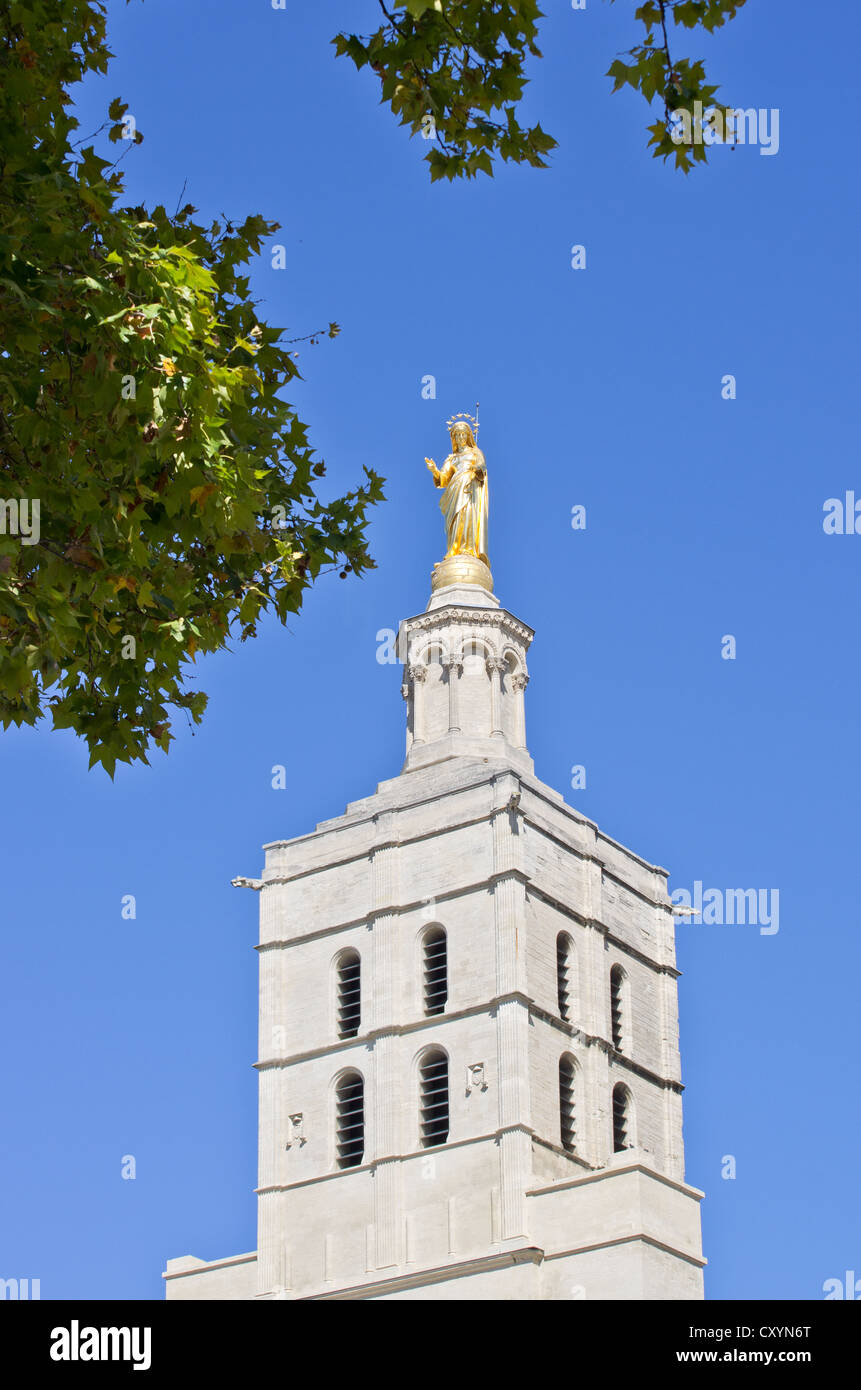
(484, 617)
(447, 829)
(489, 1007)
(563, 1153)
(626, 1240)
(533, 889)
(663, 968)
(621, 1059)
(604, 1045)
(419, 1278)
(395, 1030)
(529, 783)
(492, 1136)
(599, 1174)
(206, 1266)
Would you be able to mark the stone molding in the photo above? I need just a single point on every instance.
(528, 782)
(484, 617)
(599, 1174)
(184, 1265)
(643, 1236)
(438, 1274)
(492, 1136)
(533, 888)
(489, 1007)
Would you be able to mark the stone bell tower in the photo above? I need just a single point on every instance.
(468, 1047)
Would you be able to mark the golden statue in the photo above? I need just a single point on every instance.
(464, 507)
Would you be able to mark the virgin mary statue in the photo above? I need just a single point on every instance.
(464, 501)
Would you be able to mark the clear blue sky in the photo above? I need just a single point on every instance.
(704, 517)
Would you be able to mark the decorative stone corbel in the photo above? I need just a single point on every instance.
(475, 1079)
(296, 1133)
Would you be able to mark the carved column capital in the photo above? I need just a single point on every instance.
(520, 680)
(417, 672)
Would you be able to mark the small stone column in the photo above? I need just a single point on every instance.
(453, 666)
(520, 682)
(495, 667)
(405, 695)
(418, 675)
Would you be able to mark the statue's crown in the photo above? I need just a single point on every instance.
(471, 419)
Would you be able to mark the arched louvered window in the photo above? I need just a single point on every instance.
(567, 1119)
(433, 1098)
(622, 1119)
(565, 975)
(435, 970)
(350, 1120)
(349, 987)
(617, 1006)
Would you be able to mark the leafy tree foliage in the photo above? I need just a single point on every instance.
(461, 65)
(141, 407)
(676, 82)
(457, 69)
